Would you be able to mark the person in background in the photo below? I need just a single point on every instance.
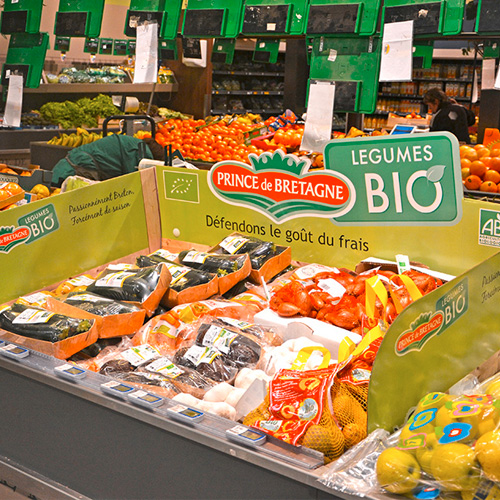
(447, 115)
(108, 157)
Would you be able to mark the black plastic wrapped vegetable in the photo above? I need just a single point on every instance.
(212, 262)
(99, 305)
(133, 285)
(259, 251)
(207, 361)
(237, 348)
(37, 323)
(181, 280)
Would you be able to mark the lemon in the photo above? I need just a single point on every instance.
(455, 468)
(40, 190)
(488, 453)
(397, 471)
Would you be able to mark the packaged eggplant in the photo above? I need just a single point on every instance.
(98, 304)
(207, 361)
(236, 347)
(133, 285)
(259, 251)
(186, 380)
(212, 262)
(182, 277)
(264, 335)
(157, 257)
(144, 287)
(37, 323)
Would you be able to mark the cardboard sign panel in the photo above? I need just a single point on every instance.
(422, 24)
(203, 22)
(265, 19)
(71, 24)
(334, 19)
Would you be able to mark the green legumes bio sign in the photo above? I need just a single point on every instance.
(410, 179)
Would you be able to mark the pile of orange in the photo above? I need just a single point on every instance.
(211, 142)
(481, 167)
(9, 189)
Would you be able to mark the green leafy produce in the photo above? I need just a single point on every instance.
(37, 323)
(85, 111)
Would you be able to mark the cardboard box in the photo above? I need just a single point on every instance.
(27, 182)
(191, 294)
(116, 325)
(11, 199)
(62, 349)
(388, 265)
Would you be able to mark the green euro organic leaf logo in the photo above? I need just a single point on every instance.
(181, 186)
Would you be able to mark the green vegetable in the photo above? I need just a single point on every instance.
(85, 111)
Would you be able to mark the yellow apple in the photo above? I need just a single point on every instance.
(455, 468)
(493, 493)
(489, 419)
(409, 440)
(424, 454)
(488, 454)
(397, 471)
(494, 389)
(432, 400)
(445, 416)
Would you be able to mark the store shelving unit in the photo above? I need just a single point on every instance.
(248, 86)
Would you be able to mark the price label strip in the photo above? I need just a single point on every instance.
(185, 414)
(14, 352)
(70, 372)
(248, 437)
(117, 389)
(145, 399)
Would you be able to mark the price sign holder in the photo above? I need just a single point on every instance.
(70, 372)
(117, 389)
(223, 50)
(342, 17)
(14, 352)
(185, 415)
(168, 50)
(245, 436)
(74, 21)
(21, 16)
(145, 399)
(422, 54)
(106, 46)
(26, 56)
(266, 51)
(120, 47)
(274, 17)
(144, 11)
(191, 48)
(62, 43)
(430, 17)
(212, 18)
(91, 45)
(353, 63)
(131, 47)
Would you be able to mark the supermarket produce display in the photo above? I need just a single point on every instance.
(243, 358)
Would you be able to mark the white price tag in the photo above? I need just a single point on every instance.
(146, 54)
(14, 104)
(397, 52)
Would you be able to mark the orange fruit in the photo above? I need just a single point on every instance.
(483, 151)
(495, 164)
(468, 152)
(478, 168)
(478, 146)
(486, 160)
(495, 151)
(492, 175)
(473, 182)
(489, 187)
(465, 163)
(465, 173)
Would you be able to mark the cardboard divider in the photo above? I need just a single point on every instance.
(116, 325)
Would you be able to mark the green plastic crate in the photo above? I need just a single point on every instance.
(21, 16)
(78, 19)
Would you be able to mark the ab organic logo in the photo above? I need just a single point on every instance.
(281, 187)
(489, 228)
